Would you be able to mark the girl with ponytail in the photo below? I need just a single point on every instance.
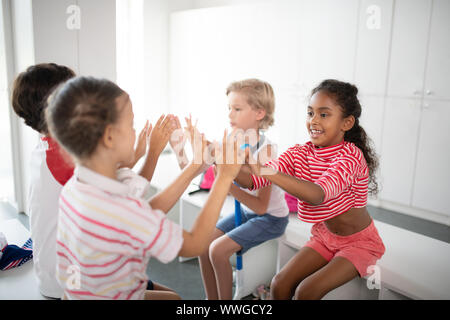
(331, 176)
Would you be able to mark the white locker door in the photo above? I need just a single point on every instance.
(437, 78)
(398, 152)
(409, 48)
(54, 40)
(328, 41)
(372, 52)
(432, 178)
(97, 39)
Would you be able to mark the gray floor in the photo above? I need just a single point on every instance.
(185, 277)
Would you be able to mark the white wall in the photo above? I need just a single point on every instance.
(7, 123)
(24, 137)
(156, 52)
(394, 63)
(40, 34)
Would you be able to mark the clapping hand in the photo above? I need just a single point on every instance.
(161, 134)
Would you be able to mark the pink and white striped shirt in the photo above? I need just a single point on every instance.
(106, 236)
(340, 170)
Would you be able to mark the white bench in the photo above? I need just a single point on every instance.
(18, 283)
(414, 266)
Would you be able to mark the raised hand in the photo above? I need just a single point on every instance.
(191, 130)
(142, 141)
(230, 157)
(177, 139)
(161, 133)
(251, 164)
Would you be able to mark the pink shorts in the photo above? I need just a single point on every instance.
(362, 248)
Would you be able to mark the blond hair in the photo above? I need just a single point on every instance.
(259, 96)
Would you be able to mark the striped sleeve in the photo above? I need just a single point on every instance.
(284, 163)
(167, 241)
(341, 174)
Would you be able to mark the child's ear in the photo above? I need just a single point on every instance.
(260, 114)
(349, 122)
(108, 136)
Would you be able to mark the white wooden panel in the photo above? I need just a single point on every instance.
(53, 41)
(400, 133)
(328, 41)
(437, 79)
(97, 39)
(372, 55)
(432, 179)
(409, 47)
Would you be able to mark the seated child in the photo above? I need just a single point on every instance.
(106, 234)
(331, 176)
(49, 168)
(265, 213)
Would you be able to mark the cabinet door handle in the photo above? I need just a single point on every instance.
(429, 92)
(426, 106)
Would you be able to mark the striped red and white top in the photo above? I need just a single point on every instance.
(106, 236)
(340, 170)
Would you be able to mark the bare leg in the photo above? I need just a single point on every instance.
(337, 272)
(207, 271)
(160, 287)
(161, 295)
(220, 252)
(305, 262)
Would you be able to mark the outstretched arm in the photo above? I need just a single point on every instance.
(285, 178)
(301, 189)
(167, 198)
(196, 240)
(258, 203)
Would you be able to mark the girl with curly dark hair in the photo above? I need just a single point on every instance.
(331, 176)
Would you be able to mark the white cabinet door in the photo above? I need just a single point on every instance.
(328, 41)
(437, 78)
(53, 40)
(432, 179)
(372, 52)
(409, 47)
(97, 39)
(399, 146)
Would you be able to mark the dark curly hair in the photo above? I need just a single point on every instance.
(345, 95)
(31, 89)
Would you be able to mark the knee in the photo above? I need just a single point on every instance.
(206, 254)
(217, 254)
(309, 290)
(280, 288)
